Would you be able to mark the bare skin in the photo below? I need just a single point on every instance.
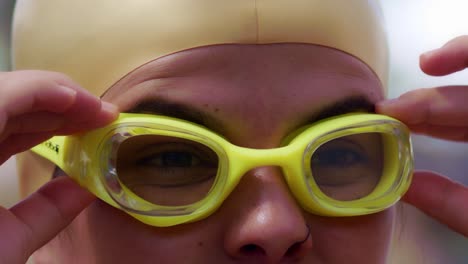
(24, 230)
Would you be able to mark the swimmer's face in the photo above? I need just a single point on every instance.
(254, 95)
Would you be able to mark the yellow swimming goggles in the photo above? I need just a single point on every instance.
(166, 171)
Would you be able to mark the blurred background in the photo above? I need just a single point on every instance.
(413, 27)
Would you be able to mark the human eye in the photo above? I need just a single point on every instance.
(340, 162)
(175, 165)
(167, 170)
(348, 167)
(175, 158)
(339, 157)
(165, 161)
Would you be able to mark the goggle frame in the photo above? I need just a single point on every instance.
(94, 167)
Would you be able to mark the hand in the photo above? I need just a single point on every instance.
(440, 112)
(34, 106)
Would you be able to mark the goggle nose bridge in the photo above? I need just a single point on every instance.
(249, 158)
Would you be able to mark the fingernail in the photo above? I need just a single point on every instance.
(429, 54)
(109, 108)
(393, 106)
(69, 91)
(387, 103)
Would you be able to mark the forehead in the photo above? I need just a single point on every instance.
(252, 66)
(257, 86)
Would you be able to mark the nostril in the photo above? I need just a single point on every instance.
(298, 249)
(293, 250)
(252, 249)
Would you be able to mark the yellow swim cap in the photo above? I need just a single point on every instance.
(98, 42)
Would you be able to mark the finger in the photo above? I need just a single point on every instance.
(19, 143)
(33, 122)
(39, 218)
(31, 91)
(27, 91)
(25, 131)
(450, 58)
(106, 113)
(85, 110)
(453, 133)
(442, 106)
(38, 101)
(55, 123)
(440, 198)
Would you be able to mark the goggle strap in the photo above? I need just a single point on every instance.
(52, 149)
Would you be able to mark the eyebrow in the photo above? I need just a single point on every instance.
(344, 106)
(166, 107)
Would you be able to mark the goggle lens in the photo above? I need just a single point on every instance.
(165, 170)
(350, 167)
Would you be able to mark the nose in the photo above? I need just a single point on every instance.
(269, 226)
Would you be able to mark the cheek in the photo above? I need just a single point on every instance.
(353, 239)
(103, 230)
